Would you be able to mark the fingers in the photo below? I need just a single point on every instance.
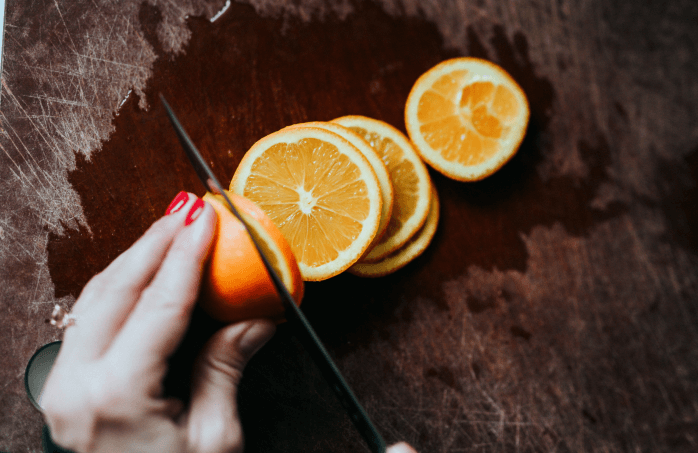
(109, 297)
(161, 316)
(401, 447)
(213, 423)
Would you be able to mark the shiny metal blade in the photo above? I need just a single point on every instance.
(295, 317)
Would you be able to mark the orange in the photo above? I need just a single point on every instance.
(376, 163)
(236, 285)
(409, 176)
(408, 252)
(466, 117)
(321, 193)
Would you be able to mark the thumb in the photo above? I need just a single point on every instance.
(213, 423)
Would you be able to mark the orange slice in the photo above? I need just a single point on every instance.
(376, 163)
(409, 176)
(408, 252)
(321, 193)
(466, 117)
(236, 285)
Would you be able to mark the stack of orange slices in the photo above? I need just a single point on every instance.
(344, 192)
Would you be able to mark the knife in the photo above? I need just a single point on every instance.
(295, 317)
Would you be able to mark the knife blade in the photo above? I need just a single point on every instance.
(295, 317)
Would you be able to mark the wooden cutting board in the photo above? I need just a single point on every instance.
(554, 310)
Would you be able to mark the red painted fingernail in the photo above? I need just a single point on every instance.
(179, 201)
(196, 209)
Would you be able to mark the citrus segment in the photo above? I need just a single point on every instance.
(321, 193)
(466, 117)
(374, 159)
(409, 177)
(414, 247)
(236, 285)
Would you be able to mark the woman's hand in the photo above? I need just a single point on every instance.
(105, 392)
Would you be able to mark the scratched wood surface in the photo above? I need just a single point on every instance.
(556, 309)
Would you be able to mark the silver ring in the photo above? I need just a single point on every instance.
(61, 318)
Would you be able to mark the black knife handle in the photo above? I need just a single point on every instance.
(309, 339)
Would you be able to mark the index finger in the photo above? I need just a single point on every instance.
(105, 303)
(156, 326)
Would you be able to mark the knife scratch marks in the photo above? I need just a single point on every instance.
(83, 65)
(114, 62)
(61, 101)
(64, 24)
(9, 246)
(40, 187)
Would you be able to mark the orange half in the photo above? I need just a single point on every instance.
(236, 285)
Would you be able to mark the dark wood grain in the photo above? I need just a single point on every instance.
(556, 307)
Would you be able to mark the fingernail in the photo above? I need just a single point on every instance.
(255, 337)
(179, 201)
(195, 211)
